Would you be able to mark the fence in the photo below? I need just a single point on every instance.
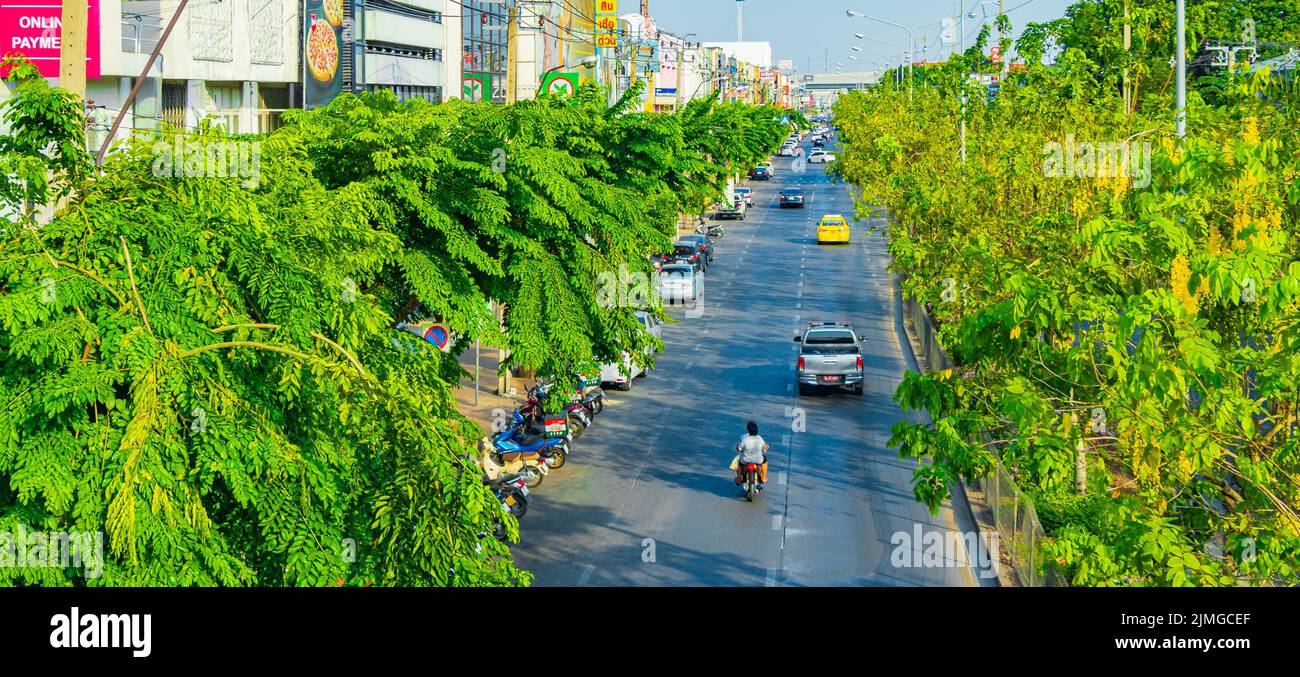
(1019, 531)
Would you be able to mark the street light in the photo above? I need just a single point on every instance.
(907, 30)
(585, 62)
(901, 54)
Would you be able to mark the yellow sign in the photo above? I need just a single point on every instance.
(606, 40)
(607, 23)
(607, 6)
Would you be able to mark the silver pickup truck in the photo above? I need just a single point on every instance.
(830, 356)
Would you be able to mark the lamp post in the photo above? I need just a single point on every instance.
(907, 30)
(902, 55)
(1180, 115)
(585, 62)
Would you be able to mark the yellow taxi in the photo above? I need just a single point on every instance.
(833, 228)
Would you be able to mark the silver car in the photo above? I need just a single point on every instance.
(679, 283)
(830, 356)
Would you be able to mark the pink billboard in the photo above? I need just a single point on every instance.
(34, 28)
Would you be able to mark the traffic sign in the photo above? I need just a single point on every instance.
(565, 84)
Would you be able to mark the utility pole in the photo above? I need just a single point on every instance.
(740, 22)
(677, 92)
(512, 53)
(1128, 46)
(1180, 118)
(72, 46)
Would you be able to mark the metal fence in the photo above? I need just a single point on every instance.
(1019, 531)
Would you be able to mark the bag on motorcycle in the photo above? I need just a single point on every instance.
(556, 424)
(735, 462)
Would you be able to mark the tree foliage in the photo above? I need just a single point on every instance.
(1142, 321)
(210, 372)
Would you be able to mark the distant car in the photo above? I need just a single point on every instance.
(819, 142)
(730, 210)
(821, 156)
(833, 228)
(760, 174)
(700, 240)
(792, 197)
(747, 193)
(786, 151)
(614, 371)
(657, 260)
(679, 283)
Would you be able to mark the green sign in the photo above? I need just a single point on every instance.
(477, 87)
(565, 84)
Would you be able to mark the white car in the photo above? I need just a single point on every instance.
(745, 193)
(679, 283)
(613, 372)
(820, 156)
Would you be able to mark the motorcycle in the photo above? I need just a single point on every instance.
(511, 491)
(523, 436)
(749, 480)
(495, 463)
(580, 416)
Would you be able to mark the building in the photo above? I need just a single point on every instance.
(410, 47)
(484, 59)
(237, 64)
(754, 53)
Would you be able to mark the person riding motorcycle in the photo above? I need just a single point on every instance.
(752, 449)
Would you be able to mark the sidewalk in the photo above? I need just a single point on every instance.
(490, 404)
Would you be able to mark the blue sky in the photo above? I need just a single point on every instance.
(811, 31)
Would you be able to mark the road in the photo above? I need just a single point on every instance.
(647, 498)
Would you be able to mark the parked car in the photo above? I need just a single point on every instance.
(690, 253)
(792, 197)
(734, 210)
(746, 193)
(679, 283)
(615, 373)
(703, 241)
(760, 173)
(820, 156)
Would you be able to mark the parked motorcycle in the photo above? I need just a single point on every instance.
(580, 416)
(524, 435)
(511, 491)
(495, 463)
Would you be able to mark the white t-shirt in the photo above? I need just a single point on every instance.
(751, 448)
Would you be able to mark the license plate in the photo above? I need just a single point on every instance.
(831, 379)
(522, 490)
(510, 500)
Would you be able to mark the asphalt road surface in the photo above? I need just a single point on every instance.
(647, 498)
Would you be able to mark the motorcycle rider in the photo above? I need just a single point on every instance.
(752, 449)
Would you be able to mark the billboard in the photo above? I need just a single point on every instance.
(34, 28)
(322, 45)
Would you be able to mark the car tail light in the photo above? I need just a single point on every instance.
(859, 363)
(801, 363)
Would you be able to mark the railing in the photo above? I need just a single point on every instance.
(1019, 531)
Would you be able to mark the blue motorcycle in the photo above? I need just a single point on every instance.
(519, 437)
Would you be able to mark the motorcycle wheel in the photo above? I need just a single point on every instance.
(597, 405)
(534, 477)
(750, 490)
(558, 457)
(519, 507)
(577, 426)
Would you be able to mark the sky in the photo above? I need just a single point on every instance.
(811, 32)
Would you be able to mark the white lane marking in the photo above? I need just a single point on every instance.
(586, 574)
(776, 522)
(771, 578)
(785, 440)
(789, 387)
(782, 478)
(799, 306)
